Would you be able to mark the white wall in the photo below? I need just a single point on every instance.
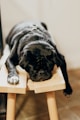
(61, 16)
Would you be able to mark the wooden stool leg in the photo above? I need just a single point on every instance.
(51, 101)
(11, 102)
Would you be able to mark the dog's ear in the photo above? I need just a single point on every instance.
(25, 57)
(56, 59)
(44, 25)
(22, 59)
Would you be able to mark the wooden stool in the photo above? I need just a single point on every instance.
(49, 87)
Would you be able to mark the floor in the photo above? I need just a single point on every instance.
(34, 107)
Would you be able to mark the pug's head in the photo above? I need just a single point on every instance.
(38, 59)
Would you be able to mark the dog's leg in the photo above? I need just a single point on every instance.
(62, 64)
(5, 55)
(11, 63)
(68, 89)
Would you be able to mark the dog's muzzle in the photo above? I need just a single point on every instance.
(40, 76)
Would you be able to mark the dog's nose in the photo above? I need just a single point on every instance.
(41, 72)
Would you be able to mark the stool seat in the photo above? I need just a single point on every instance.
(55, 83)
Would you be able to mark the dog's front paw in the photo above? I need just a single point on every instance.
(68, 90)
(13, 79)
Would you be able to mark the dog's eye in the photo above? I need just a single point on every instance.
(49, 57)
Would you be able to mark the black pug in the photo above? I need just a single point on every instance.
(33, 49)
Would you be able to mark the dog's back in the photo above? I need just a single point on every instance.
(24, 28)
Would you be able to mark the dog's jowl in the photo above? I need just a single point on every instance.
(34, 50)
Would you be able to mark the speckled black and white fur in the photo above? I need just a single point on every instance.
(32, 47)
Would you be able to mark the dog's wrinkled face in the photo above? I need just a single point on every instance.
(38, 61)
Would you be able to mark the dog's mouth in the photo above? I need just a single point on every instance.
(40, 78)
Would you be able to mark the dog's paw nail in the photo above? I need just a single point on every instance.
(13, 80)
(67, 95)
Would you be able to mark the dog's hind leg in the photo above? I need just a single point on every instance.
(5, 55)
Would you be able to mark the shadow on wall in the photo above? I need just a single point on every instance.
(1, 42)
(3, 96)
